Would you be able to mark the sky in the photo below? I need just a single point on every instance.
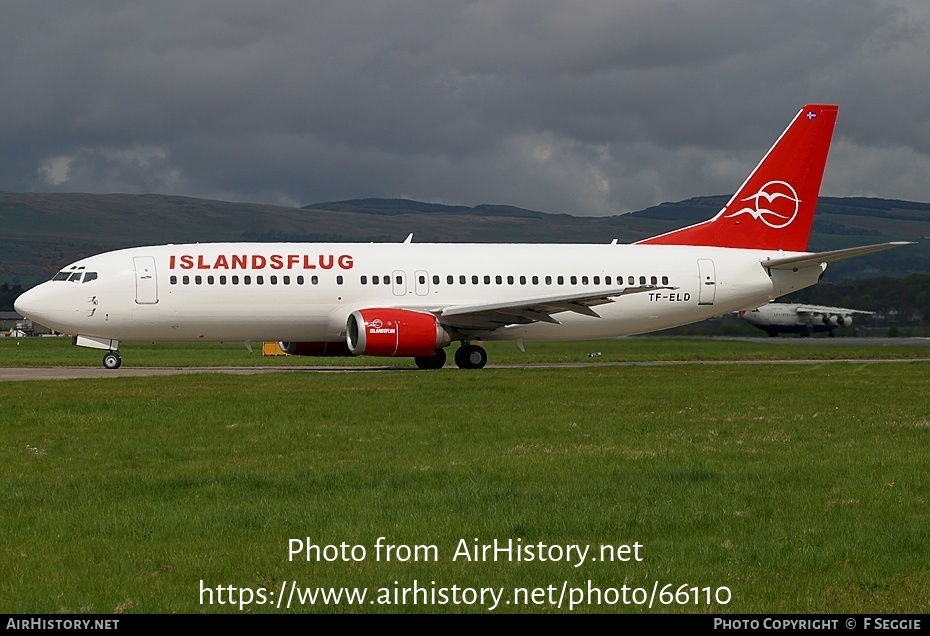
(589, 108)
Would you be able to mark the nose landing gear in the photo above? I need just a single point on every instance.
(112, 360)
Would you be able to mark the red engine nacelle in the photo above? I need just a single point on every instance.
(339, 348)
(389, 331)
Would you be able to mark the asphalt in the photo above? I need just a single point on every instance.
(14, 374)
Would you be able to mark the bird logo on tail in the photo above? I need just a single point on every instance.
(774, 194)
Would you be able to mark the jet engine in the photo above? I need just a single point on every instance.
(836, 320)
(338, 348)
(394, 332)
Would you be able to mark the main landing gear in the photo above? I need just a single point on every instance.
(468, 356)
(112, 360)
(434, 361)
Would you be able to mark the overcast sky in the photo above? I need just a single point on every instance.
(584, 107)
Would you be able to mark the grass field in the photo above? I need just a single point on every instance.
(749, 488)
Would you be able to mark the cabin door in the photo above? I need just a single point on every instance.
(146, 282)
(707, 282)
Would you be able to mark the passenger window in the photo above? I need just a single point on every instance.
(287, 280)
(259, 280)
(574, 280)
(523, 280)
(498, 279)
(186, 280)
(339, 279)
(665, 280)
(584, 280)
(474, 280)
(222, 280)
(487, 280)
(198, 280)
(235, 280)
(561, 280)
(314, 280)
(654, 281)
(273, 280)
(435, 279)
(535, 280)
(210, 280)
(246, 280)
(548, 280)
(462, 280)
(173, 280)
(631, 281)
(450, 279)
(642, 280)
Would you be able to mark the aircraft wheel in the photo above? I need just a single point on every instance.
(435, 361)
(112, 360)
(470, 356)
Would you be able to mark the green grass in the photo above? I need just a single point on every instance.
(801, 488)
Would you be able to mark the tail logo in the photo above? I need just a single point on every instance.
(775, 204)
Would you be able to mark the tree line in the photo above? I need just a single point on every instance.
(9, 293)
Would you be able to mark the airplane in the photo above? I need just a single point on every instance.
(413, 300)
(776, 318)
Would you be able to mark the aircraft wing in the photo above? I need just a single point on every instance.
(809, 260)
(819, 309)
(490, 316)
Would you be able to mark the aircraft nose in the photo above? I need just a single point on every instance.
(24, 305)
(34, 304)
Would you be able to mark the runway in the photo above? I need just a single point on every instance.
(21, 374)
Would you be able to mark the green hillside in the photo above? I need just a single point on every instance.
(42, 232)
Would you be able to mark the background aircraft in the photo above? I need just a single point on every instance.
(776, 318)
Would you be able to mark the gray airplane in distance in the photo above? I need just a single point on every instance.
(776, 318)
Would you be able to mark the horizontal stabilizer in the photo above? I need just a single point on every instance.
(810, 260)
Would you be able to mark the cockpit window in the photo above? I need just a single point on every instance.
(75, 276)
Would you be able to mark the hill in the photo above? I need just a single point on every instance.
(42, 232)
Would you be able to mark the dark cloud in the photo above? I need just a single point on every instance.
(592, 107)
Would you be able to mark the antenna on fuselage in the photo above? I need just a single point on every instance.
(409, 238)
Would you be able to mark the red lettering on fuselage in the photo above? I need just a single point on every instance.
(261, 261)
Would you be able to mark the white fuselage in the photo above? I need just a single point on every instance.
(306, 291)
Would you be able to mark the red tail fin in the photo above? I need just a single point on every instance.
(774, 208)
